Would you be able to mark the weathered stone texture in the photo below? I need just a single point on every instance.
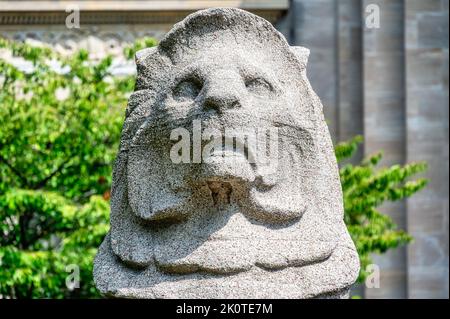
(225, 227)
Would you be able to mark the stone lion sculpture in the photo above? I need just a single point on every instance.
(220, 224)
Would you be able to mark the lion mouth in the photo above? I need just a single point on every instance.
(220, 192)
(240, 166)
(225, 166)
(235, 147)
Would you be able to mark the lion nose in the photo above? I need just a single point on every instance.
(223, 91)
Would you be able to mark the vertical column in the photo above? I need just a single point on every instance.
(384, 124)
(426, 35)
(332, 31)
(350, 97)
(349, 44)
(350, 83)
(313, 25)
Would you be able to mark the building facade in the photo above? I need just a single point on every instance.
(389, 83)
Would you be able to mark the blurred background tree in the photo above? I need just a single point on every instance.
(60, 123)
(365, 188)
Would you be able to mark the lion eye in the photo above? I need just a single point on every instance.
(258, 86)
(187, 90)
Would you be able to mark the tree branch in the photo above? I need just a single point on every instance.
(14, 170)
(44, 181)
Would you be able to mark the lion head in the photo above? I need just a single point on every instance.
(195, 212)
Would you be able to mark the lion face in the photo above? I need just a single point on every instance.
(227, 195)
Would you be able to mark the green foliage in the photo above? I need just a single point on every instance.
(63, 145)
(139, 45)
(56, 157)
(365, 188)
(42, 234)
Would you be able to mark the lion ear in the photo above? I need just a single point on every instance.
(302, 55)
(143, 60)
(141, 55)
